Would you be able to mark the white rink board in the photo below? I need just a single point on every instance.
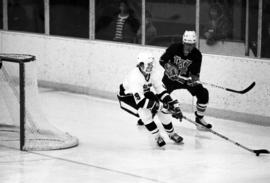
(101, 65)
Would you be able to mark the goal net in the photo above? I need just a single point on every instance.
(22, 122)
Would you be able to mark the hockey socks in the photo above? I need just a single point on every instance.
(199, 119)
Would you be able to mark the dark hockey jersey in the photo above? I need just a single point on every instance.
(187, 65)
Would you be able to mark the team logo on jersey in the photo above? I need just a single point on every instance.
(182, 64)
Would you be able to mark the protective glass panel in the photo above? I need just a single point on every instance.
(222, 27)
(26, 15)
(166, 20)
(1, 14)
(253, 26)
(69, 18)
(118, 20)
(265, 53)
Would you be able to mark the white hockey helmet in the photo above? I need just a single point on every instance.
(189, 37)
(147, 59)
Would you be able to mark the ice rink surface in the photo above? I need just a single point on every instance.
(114, 149)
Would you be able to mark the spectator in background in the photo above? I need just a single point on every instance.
(150, 29)
(219, 26)
(122, 27)
(266, 43)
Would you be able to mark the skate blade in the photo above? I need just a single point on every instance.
(178, 143)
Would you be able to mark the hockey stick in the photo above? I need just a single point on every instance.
(221, 87)
(257, 152)
(231, 90)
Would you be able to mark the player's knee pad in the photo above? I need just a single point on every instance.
(145, 115)
(203, 96)
(164, 118)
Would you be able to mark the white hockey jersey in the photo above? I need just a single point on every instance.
(136, 84)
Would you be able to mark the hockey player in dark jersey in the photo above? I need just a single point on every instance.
(143, 95)
(182, 64)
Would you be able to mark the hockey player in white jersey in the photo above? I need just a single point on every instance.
(143, 95)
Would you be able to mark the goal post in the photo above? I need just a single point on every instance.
(22, 122)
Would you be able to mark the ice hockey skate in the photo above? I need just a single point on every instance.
(160, 141)
(175, 137)
(203, 124)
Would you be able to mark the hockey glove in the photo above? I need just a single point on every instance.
(193, 81)
(174, 108)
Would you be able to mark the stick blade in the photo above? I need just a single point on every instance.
(249, 88)
(242, 91)
(261, 151)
